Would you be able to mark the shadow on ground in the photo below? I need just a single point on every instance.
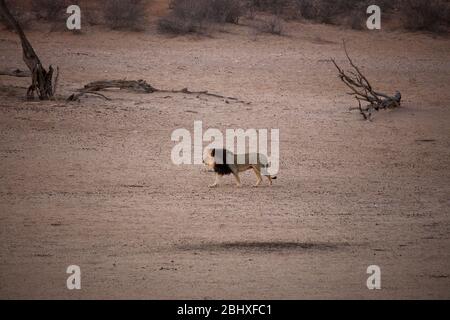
(262, 246)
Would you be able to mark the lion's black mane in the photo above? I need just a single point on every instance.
(221, 167)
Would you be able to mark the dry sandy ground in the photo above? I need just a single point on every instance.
(92, 183)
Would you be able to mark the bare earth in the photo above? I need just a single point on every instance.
(92, 184)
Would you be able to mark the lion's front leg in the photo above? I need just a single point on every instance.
(216, 181)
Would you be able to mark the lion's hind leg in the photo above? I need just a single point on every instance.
(257, 172)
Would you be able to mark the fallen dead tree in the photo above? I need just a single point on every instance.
(41, 79)
(132, 85)
(363, 91)
(138, 86)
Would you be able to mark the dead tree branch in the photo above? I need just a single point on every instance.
(140, 86)
(205, 93)
(41, 79)
(362, 90)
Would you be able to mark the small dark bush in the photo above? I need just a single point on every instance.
(326, 10)
(193, 15)
(225, 11)
(93, 16)
(186, 16)
(125, 14)
(307, 9)
(273, 25)
(50, 10)
(357, 20)
(273, 6)
(175, 25)
(23, 18)
(432, 15)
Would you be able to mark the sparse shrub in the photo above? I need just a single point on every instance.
(186, 16)
(50, 10)
(22, 17)
(92, 16)
(385, 5)
(125, 14)
(193, 15)
(225, 11)
(325, 10)
(273, 6)
(307, 9)
(273, 25)
(432, 15)
(195, 11)
(176, 25)
(356, 20)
